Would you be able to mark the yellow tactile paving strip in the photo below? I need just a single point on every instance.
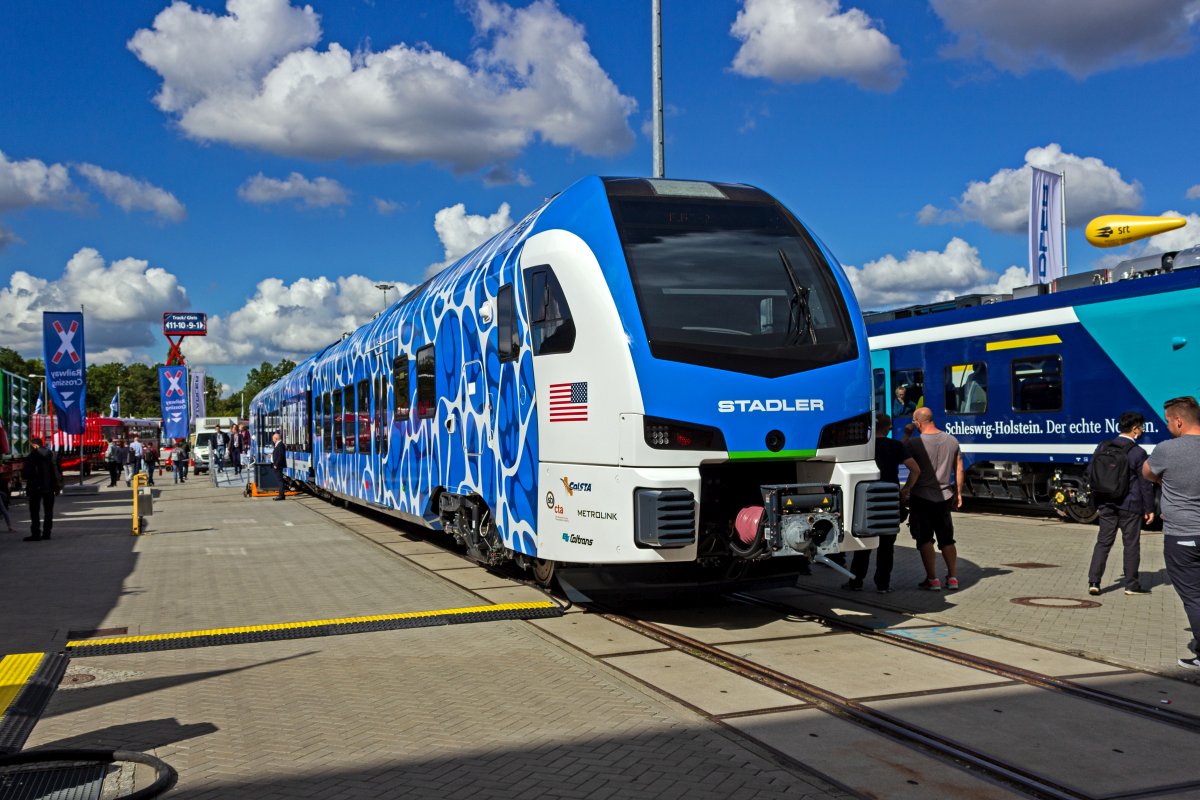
(15, 672)
(315, 623)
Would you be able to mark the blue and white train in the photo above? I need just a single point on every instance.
(639, 372)
(1030, 386)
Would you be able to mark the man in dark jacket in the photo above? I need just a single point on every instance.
(279, 461)
(1125, 513)
(42, 482)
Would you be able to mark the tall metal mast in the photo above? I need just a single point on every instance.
(656, 57)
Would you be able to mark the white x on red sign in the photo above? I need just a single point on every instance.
(174, 383)
(66, 337)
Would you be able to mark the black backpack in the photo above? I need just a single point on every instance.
(1109, 470)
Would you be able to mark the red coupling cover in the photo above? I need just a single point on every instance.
(746, 525)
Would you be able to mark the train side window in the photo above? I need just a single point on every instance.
(364, 417)
(381, 426)
(909, 392)
(506, 323)
(878, 382)
(551, 326)
(1037, 383)
(327, 422)
(966, 388)
(339, 444)
(426, 383)
(400, 395)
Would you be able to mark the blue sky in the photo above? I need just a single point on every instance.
(268, 162)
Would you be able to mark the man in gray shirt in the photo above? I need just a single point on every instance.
(1175, 464)
(938, 455)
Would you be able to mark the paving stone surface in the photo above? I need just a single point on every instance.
(487, 710)
(1148, 631)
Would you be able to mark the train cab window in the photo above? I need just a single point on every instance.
(400, 393)
(426, 383)
(506, 323)
(364, 416)
(966, 388)
(1037, 384)
(551, 326)
(908, 392)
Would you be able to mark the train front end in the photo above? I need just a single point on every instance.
(714, 405)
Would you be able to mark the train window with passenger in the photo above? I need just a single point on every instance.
(551, 326)
(426, 383)
(966, 388)
(908, 392)
(364, 417)
(735, 285)
(400, 392)
(1037, 383)
(509, 339)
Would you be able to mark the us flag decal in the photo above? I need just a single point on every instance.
(569, 402)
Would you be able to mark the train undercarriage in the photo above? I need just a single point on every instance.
(1060, 488)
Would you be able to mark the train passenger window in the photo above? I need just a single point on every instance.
(1037, 384)
(381, 426)
(339, 445)
(966, 388)
(349, 435)
(400, 392)
(364, 417)
(327, 422)
(551, 326)
(426, 383)
(506, 323)
(908, 393)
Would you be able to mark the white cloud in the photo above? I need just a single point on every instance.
(317, 193)
(130, 193)
(289, 320)
(7, 237)
(254, 78)
(386, 207)
(124, 303)
(34, 183)
(1194, 192)
(929, 275)
(1080, 37)
(795, 41)
(460, 232)
(1002, 201)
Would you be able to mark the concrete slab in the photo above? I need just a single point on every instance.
(838, 608)
(1006, 651)
(854, 666)
(595, 635)
(1076, 743)
(512, 594)
(732, 622)
(439, 561)
(882, 768)
(1150, 689)
(705, 686)
(413, 548)
(476, 578)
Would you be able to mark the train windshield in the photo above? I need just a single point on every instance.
(733, 285)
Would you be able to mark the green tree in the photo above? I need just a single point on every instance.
(12, 361)
(264, 375)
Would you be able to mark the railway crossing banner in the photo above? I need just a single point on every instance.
(199, 382)
(1047, 258)
(173, 393)
(66, 367)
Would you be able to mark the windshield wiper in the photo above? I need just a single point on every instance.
(798, 305)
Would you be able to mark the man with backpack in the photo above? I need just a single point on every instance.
(1124, 499)
(43, 481)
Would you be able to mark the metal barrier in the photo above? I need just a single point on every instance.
(143, 505)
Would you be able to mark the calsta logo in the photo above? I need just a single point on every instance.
(572, 487)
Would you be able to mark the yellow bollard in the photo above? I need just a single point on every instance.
(137, 520)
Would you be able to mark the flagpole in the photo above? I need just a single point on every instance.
(82, 408)
(1062, 197)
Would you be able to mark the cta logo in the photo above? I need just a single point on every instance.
(571, 538)
(573, 487)
(798, 404)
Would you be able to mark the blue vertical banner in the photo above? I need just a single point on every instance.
(173, 392)
(66, 367)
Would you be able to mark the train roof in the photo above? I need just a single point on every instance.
(1134, 278)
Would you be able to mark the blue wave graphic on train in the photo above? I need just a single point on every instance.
(612, 380)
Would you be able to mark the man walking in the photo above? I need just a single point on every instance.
(235, 448)
(42, 482)
(135, 457)
(278, 461)
(889, 455)
(1175, 464)
(179, 457)
(1124, 499)
(938, 455)
(150, 457)
(219, 443)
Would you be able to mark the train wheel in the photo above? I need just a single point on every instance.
(543, 571)
(1083, 514)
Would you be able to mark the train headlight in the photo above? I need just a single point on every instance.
(665, 434)
(856, 430)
